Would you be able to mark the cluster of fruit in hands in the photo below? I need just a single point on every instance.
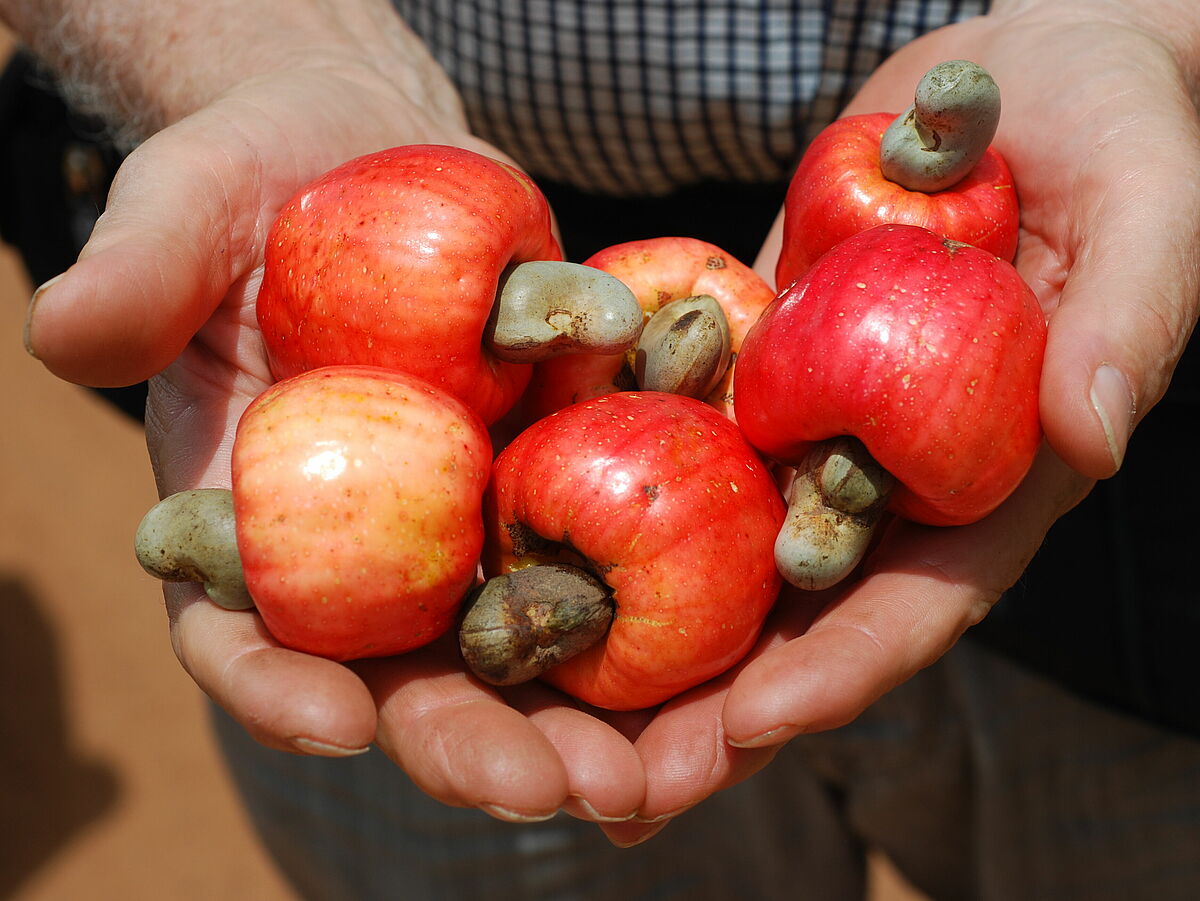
(634, 534)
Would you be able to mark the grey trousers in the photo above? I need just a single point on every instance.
(976, 778)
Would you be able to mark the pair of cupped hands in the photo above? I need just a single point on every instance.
(1102, 138)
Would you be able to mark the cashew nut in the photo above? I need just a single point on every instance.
(836, 501)
(938, 140)
(546, 309)
(684, 348)
(518, 625)
(190, 537)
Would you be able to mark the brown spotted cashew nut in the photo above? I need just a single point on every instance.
(684, 348)
(518, 625)
(547, 308)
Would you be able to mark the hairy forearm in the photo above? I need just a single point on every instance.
(143, 64)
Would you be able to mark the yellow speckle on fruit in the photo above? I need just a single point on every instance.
(645, 621)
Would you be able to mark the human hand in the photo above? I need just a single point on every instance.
(1102, 139)
(165, 289)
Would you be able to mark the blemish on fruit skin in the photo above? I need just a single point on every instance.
(645, 621)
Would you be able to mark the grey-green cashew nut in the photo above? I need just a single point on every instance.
(837, 499)
(546, 308)
(938, 140)
(190, 537)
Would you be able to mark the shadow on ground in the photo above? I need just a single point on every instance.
(51, 790)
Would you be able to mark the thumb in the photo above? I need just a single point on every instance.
(181, 224)
(1128, 304)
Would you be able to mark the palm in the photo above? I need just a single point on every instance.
(525, 754)
(1103, 145)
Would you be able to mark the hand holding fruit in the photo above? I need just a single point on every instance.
(167, 285)
(1106, 161)
(355, 501)
(1104, 146)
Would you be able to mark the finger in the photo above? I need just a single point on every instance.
(922, 588)
(606, 779)
(1129, 302)
(686, 750)
(687, 759)
(180, 226)
(460, 742)
(188, 213)
(285, 700)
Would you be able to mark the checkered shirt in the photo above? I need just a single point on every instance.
(640, 97)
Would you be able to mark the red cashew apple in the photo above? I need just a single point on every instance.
(658, 497)
(394, 259)
(931, 166)
(355, 524)
(658, 271)
(926, 351)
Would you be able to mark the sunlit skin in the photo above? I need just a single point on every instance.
(658, 271)
(659, 496)
(838, 190)
(357, 495)
(393, 259)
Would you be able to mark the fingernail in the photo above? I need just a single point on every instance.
(1114, 405)
(324, 749)
(663, 817)
(771, 737)
(581, 809)
(511, 816)
(644, 837)
(33, 302)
